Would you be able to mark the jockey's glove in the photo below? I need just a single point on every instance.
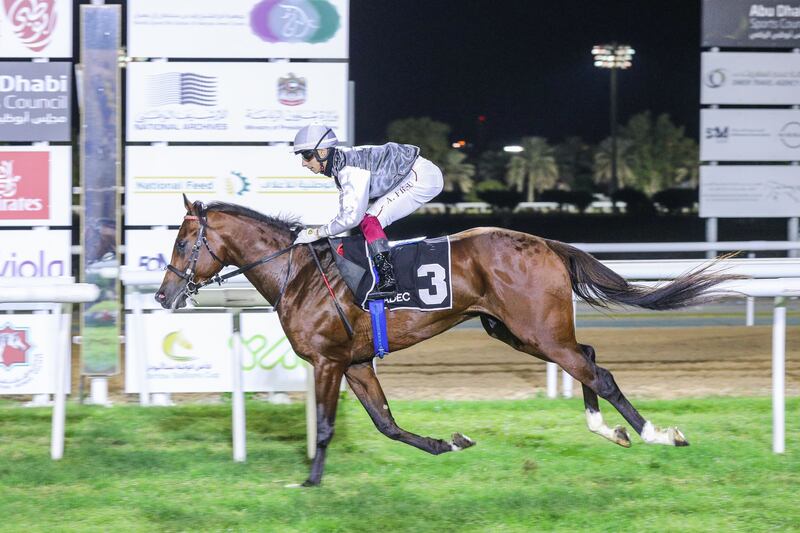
(311, 234)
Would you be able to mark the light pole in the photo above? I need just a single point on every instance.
(613, 57)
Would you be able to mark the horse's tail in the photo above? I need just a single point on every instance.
(598, 285)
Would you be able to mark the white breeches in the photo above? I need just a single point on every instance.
(421, 185)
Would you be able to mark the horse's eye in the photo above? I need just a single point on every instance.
(180, 245)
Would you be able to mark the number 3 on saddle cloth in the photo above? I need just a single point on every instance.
(422, 271)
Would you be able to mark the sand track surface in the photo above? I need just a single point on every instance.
(465, 363)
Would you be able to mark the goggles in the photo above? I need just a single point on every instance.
(307, 155)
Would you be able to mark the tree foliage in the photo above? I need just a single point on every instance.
(602, 163)
(661, 156)
(457, 173)
(533, 168)
(574, 160)
(431, 137)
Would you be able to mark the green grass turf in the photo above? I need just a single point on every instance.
(535, 468)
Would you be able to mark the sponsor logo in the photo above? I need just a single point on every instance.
(18, 365)
(179, 362)
(294, 21)
(37, 265)
(790, 135)
(24, 185)
(13, 346)
(291, 90)
(32, 21)
(715, 78)
(262, 353)
(176, 347)
(237, 184)
(401, 297)
(173, 184)
(153, 262)
(182, 88)
(718, 133)
(182, 101)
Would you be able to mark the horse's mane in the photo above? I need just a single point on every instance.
(288, 224)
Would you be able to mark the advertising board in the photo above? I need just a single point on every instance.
(768, 191)
(28, 352)
(191, 352)
(239, 29)
(269, 179)
(750, 78)
(749, 135)
(36, 28)
(233, 102)
(35, 186)
(35, 102)
(748, 24)
(35, 253)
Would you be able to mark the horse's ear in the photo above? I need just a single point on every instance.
(188, 205)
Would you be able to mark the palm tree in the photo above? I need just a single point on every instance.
(602, 163)
(534, 167)
(456, 172)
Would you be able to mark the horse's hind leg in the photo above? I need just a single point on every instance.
(594, 419)
(364, 383)
(600, 382)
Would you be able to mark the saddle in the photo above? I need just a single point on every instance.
(422, 270)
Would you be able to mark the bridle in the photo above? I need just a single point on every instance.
(192, 287)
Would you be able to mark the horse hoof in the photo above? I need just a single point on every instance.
(622, 437)
(304, 484)
(678, 437)
(461, 442)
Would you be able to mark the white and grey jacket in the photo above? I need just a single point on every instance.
(364, 173)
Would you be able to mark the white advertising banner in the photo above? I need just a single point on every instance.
(750, 135)
(233, 102)
(29, 345)
(150, 249)
(35, 253)
(754, 78)
(35, 186)
(36, 28)
(185, 352)
(192, 353)
(749, 191)
(268, 362)
(238, 28)
(269, 179)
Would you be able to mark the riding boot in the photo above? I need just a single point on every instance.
(386, 286)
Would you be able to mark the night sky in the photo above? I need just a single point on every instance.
(525, 65)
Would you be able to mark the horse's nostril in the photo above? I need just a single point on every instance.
(160, 296)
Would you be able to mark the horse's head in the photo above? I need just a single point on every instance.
(193, 259)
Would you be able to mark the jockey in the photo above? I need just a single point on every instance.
(393, 177)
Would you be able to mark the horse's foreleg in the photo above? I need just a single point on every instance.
(327, 379)
(594, 419)
(365, 385)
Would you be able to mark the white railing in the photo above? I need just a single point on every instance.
(26, 293)
(714, 246)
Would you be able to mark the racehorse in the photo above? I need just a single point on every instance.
(519, 285)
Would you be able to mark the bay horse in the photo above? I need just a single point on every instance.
(519, 285)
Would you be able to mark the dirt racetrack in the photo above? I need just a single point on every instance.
(465, 363)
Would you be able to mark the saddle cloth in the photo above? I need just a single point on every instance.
(422, 270)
